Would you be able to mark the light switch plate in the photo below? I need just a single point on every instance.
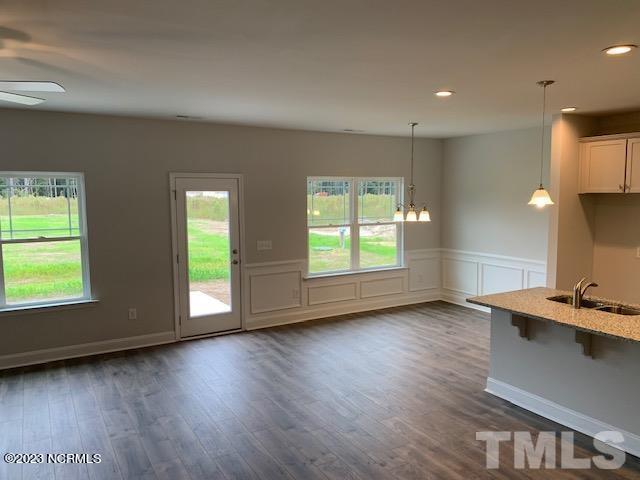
(264, 244)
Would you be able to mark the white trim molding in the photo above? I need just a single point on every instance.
(560, 414)
(466, 274)
(85, 349)
(278, 293)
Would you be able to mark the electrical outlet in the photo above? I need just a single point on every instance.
(264, 244)
(133, 314)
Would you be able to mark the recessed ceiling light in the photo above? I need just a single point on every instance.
(619, 49)
(444, 93)
(568, 109)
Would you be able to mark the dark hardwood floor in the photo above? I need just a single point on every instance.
(396, 393)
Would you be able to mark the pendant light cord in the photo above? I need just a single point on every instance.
(412, 187)
(413, 126)
(544, 104)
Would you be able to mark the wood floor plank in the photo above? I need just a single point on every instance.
(394, 393)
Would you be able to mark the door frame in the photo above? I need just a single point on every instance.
(173, 176)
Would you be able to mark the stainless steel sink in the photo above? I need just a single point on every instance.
(569, 301)
(618, 309)
(601, 306)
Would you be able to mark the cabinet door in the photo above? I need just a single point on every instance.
(602, 166)
(633, 165)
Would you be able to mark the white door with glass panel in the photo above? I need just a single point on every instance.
(208, 254)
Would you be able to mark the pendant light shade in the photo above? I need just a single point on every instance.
(541, 197)
(412, 214)
(424, 216)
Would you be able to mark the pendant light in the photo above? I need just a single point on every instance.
(412, 215)
(541, 197)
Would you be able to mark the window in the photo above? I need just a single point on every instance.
(43, 241)
(350, 224)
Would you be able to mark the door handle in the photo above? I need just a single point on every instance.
(235, 262)
(235, 251)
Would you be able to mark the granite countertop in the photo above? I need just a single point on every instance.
(533, 303)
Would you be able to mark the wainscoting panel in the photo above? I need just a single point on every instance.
(278, 293)
(500, 278)
(460, 275)
(381, 287)
(332, 293)
(269, 295)
(275, 291)
(536, 279)
(466, 274)
(424, 271)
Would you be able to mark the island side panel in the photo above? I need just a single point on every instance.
(551, 365)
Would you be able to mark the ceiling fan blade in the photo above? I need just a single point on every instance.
(29, 86)
(22, 99)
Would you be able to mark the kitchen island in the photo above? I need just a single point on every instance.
(578, 367)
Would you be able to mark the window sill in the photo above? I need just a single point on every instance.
(353, 272)
(71, 305)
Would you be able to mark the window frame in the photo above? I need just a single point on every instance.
(354, 225)
(82, 237)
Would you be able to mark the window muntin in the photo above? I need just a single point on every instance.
(377, 200)
(43, 242)
(328, 202)
(350, 224)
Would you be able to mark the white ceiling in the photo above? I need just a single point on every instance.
(329, 65)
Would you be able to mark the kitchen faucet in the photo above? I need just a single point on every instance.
(579, 289)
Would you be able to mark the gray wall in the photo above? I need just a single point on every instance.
(552, 366)
(127, 163)
(616, 266)
(571, 221)
(487, 182)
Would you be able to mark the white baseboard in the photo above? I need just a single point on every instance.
(460, 299)
(325, 311)
(85, 349)
(560, 414)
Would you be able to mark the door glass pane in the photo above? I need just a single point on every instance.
(378, 246)
(41, 271)
(208, 252)
(329, 249)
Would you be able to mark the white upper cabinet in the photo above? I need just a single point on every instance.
(602, 166)
(633, 165)
(610, 165)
